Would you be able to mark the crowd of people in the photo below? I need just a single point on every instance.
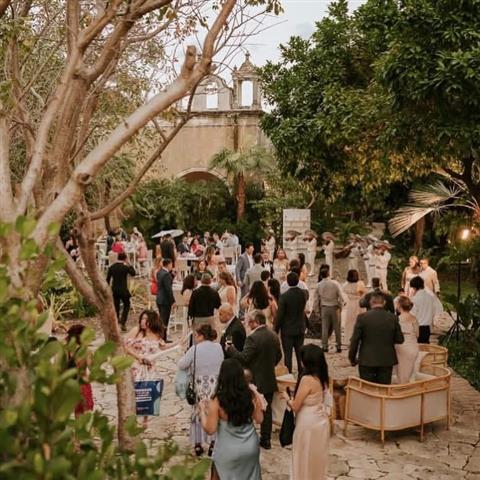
(249, 317)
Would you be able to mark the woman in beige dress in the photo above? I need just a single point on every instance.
(413, 270)
(280, 265)
(407, 351)
(354, 289)
(228, 290)
(312, 426)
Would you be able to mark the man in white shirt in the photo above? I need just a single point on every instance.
(382, 259)
(425, 307)
(429, 276)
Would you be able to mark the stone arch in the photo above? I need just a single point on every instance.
(201, 173)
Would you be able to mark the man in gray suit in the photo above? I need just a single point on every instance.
(254, 274)
(374, 337)
(330, 303)
(244, 263)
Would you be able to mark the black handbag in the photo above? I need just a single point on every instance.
(190, 394)
(288, 427)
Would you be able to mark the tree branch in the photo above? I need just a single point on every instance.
(78, 278)
(84, 173)
(133, 186)
(6, 193)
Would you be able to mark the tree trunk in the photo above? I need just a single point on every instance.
(241, 196)
(108, 320)
(419, 232)
(108, 188)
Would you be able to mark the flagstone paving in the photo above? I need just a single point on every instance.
(444, 454)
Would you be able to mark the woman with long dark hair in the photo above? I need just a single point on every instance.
(259, 299)
(187, 288)
(231, 413)
(312, 426)
(144, 342)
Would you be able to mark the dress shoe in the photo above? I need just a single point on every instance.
(265, 444)
(339, 350)
(123, 327)
(325, 350)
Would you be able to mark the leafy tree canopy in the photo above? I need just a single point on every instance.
(378, 96)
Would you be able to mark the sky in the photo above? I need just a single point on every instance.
(299, 18)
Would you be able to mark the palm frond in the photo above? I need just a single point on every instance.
(430, 199)
(433, 194)
(406, 217)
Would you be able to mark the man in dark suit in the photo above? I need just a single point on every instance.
(291, 320)
(365, 300)
(234, 333)
(165, 298)
(374, 337)
(203, 302)
(118, 274)
(260, 355)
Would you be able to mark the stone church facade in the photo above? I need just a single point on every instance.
(224, 118)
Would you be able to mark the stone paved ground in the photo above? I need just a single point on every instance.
(452, 454)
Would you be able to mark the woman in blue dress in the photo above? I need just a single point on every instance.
(230, 414)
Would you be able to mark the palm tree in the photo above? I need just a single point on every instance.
(434, 198)
(240, 165)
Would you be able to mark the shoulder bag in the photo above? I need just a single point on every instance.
(190, 394)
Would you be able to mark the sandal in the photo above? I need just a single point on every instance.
(198, 450)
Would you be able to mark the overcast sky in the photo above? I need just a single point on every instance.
(299, 18)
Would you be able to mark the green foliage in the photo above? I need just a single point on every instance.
(383, 95)
(281, 191)
(164, 204)
(64, 301)
(39, 436)
(464, 347)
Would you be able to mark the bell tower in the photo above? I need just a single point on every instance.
(246, 86)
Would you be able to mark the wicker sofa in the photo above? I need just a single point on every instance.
(433, 354)
(397, 407)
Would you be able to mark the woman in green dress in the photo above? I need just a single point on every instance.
(230, 414)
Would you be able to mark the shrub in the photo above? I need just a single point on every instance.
(39, 436)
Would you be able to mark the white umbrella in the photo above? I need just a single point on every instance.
(174, 233)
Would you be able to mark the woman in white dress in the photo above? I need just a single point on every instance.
(270, 245)
(354, 289)
(407, 351)
(413, 270)
(228, 290)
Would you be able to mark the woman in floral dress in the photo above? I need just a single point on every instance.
(144, 343)
(205, 357)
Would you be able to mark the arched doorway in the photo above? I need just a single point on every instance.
(195, 174)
